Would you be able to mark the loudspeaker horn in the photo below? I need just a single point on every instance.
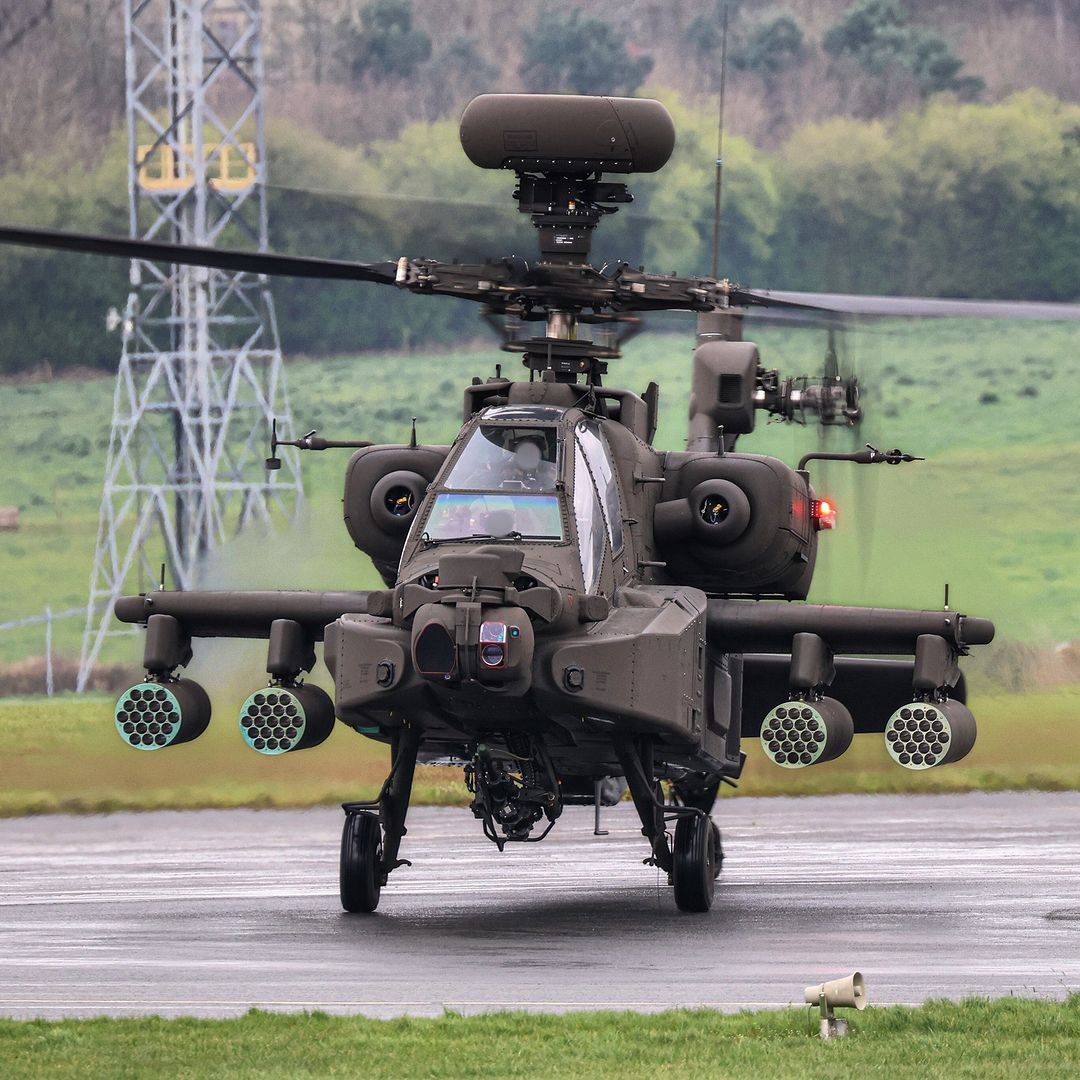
(849, 993)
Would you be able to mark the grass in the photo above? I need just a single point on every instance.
(64, 755)
(1010, 1038)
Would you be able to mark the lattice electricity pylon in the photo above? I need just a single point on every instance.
(200, 375)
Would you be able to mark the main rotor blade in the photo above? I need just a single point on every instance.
(254, 262)
(627, 291)
(920, 306)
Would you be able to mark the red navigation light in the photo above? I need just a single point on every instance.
(824, 513)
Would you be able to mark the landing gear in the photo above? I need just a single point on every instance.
(370, 840)
(695, 866)
(697, 790)
(361, 862)
(718, 851)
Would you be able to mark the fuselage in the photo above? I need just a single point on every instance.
(533, 594)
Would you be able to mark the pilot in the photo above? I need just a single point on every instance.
(529, 471)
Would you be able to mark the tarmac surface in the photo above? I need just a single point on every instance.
(212, 912)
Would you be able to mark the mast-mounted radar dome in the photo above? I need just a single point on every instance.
(567, 134)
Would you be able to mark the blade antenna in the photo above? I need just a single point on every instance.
(719, 149)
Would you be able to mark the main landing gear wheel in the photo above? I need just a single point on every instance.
(361, 862)
(695, 863)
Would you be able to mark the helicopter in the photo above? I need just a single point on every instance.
(570, 612)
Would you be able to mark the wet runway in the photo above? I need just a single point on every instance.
(213, 912)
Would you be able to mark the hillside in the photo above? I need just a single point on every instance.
(953, 199)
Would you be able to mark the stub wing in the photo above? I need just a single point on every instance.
(762, 626)
(250, 614)
(805, 700)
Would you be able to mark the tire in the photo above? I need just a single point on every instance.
(361, 858)
(694, 870)
(718, 852)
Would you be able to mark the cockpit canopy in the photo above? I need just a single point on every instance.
(531, 473)
(489, 515)
(502, 485)
(507, 458)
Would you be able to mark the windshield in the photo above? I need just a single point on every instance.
(588, 433)
(501, 457)
(464, 516)
(590, 523)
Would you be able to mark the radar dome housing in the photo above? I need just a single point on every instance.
(567, 134)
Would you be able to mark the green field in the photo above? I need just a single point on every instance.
(1010, 1038)
(64, 755)
(994, 511)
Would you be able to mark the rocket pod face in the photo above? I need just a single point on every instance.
(153, 715)
(278, 719)
(800, 733)
(924, 734)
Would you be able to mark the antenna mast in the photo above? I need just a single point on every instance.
(719, 149)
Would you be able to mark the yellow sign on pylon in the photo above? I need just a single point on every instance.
(229, 167)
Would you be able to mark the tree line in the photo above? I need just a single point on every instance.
(357, 70)
(953, 198)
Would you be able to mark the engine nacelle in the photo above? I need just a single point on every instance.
(384, 486)
(736, 525)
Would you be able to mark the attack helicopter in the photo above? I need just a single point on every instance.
(568, 611)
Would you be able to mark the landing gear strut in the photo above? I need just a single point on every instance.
(371, 837)
(696, 789)
(694, 865)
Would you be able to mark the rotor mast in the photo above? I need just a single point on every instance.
(565, 211)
